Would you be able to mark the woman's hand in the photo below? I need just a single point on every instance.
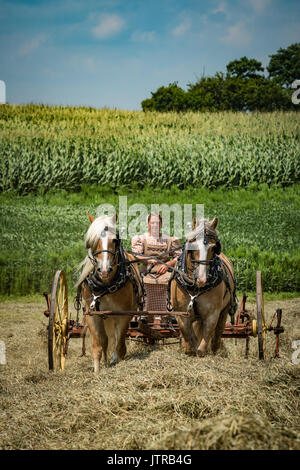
(162, 269)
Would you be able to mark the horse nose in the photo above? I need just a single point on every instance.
(201, 281)
(102, 271)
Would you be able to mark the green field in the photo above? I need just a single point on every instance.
(44, 148)
(59, 163)
(259, 229)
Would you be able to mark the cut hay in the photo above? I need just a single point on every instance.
(157, 398)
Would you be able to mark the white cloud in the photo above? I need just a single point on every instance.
(221, 8)
(80, 62)
(182, 28)
(143, 36)
(109, 25)
(32, 44)
(237, 35)
(259, 5)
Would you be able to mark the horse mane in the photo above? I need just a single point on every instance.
(94, 232)
(203, 225)
(91, 241)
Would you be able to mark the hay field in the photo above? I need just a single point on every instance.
(157, 398)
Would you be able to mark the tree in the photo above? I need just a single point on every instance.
(206, 94)
(284, 66)
(171, 98)
(265, 95)
(244, 87)
(245, 68)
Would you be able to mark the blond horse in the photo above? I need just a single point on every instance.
(206, 290)
(108, 283)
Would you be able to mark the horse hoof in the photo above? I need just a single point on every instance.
(190, 353)
(200, 353)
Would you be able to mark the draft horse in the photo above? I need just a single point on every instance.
(108, 281)
(203, 285)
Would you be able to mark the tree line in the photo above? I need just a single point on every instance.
(244, 87)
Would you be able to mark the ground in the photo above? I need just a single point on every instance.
(157, 398)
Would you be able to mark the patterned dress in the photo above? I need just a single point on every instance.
(156, 284)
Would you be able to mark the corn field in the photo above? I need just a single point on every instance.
(44, 148)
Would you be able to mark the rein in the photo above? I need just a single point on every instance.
(122, 276)
(215, 276)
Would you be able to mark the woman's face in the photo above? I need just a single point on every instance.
(154, 225)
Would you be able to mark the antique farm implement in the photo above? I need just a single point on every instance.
(147, 326)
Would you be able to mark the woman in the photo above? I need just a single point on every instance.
(154, 243)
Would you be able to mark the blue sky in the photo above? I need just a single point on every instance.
(114, 53)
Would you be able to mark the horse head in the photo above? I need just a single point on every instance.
(201, 247)
(102, 241)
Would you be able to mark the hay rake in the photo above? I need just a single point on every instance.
(158, 326)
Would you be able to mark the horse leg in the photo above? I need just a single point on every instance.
(209, 325)
(189, 338)
(114, 357)
(121, 345)
(216, 340)
(179, 302)
(96, 354)
(99, 341)
(197, 327)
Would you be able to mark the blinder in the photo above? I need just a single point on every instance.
(217, 247)
(116, 241)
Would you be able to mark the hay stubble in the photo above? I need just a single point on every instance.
(157, 398)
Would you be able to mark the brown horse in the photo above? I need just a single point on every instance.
(108, 282)
(206, 289)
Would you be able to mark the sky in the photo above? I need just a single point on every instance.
(113, 53)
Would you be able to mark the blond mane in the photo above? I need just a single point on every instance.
(203, 225)
(91, 241)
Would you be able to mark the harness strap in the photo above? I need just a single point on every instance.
(233, 299)
(124, 274)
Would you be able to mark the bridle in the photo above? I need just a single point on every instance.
(210, 262)
(215, 275)
(92, 254)
(123, 274)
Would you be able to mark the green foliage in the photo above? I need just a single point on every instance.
(243, 91)
(243, 88)
(171, 98)
(44, 149)
(244, 68)
(59, 163)
(284, 66)
(259, 229)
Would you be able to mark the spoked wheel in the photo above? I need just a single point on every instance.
(58, 323)
(261, 325)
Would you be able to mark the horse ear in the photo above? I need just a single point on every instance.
(214, 223)
(91, 218)
(194, 222)
(114, 218)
